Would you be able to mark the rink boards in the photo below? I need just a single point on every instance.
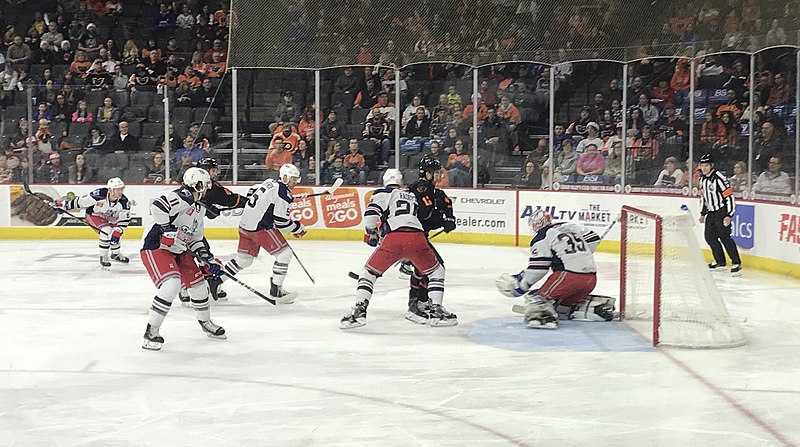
(768, 234)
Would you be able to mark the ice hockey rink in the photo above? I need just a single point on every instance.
(72, 372)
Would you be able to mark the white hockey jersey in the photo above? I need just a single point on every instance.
(179, 211)
(96, 203)
(268, 207)
(564, 246)
(394, 208)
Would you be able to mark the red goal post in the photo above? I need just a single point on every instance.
(667, 292)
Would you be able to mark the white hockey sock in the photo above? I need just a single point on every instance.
(240, 262)
(365, 283)
(163, 301)
(199, 297)
(436, 285)
(281, 266)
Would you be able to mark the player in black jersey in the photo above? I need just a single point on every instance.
(435, 211)
(216, 200)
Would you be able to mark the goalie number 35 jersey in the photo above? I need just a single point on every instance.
(564, 246)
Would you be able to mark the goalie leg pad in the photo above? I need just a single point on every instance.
(594, 308)
(540, 313)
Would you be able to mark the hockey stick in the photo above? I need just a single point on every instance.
(301, 264)
(236, 280)
(355, 276)
(50, 203)
(336, 184)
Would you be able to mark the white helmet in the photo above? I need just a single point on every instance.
(290, 171)
(392, 177)
(197, 179)
(115, 183)
(538, 220)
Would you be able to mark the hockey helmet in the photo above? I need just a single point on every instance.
(429, 164)
(392, 177)
(115, 183)
(198, 180)
(290, 171)
(538, 220)
(207, 163)
(706, 158)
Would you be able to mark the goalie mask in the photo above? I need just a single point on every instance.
(538, 220)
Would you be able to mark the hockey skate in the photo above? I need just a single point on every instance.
(440, 316)
(406, 269)
(152, 340)
(418, 311)
(105, 264)
(120, 258)
(356, 318)
(214, 282)
(212, 330)
(280, 295)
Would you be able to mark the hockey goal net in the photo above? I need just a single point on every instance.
(666, 288)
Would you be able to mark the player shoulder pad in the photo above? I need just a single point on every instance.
(284, 192)
(540, 235)
(185, 195)
(382, 190)
(126, 204)
(99, 193)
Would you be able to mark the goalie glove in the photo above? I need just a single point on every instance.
(509, 285)
(371, 237)
(214, 265)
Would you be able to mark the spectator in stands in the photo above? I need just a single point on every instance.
(97, 140)
(437, 152)
(333, 151)
(302, 158)
(20, 173)
(18, 53)
(91, 42)
(155, 170)
(355, 165)
(459, 167)
(597, 107)
(97, 78)
(174, 140)
(308, 122)
(278, 155)
(680, 81)
(218, 49)
(50, 42)
(18, 141)
(124, 142)
(206, 96)
(483, 112)
(710, 132)
(738, 180)
(613, 91)
(663, 94)
(290, 139)
(44, 136)
(386, 108)
(670, 175)
(773, 180)
(607, 125)
(636, 121)
(731, 105)
(9, 81)
(649, 112)
(591, 162)
(671, 127)
(287, 110)
(119, 80)
(559, 135)
(216, 68)
(164, 21)
(179, 169)
(190, 77)
(578, 127)
(347, 86)
(776, 35)
(643, 157)
(740, 77)
(333, 171)
(53, 171)
(779, 93)
(694, 172)
(6, 173)
(637, 88)
(82, 114)
(108, 112)
(613, 170)
(80, 65)
(62, 110)
(452, 95)
(411, 110)
(195, 151)
(80, 172)
(567, 161)
(488, 95)
(767, 145)
(592, 137)
(530, 177)
(540, 153)
(419, 126)
(377, 130)
(42, 112)
(449, 141)
(330, 130)
(130, 53)
(440, 124)
(764, 84)
(113, 7)
(142, 78)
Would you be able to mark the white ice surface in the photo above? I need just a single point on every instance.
(72, 372)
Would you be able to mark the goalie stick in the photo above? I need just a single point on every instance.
(355, 276)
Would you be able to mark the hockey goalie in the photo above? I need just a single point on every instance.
(568, 249)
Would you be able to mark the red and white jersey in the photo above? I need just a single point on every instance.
(268, 207)
(176, 209)
(97, 203)
(395, 208)
(565, 246)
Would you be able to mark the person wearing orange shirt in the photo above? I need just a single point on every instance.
(355, 165)
(278, 155)
(731, 106)
(287, 135)
(681, 81)
(189, 77)
(216, 68)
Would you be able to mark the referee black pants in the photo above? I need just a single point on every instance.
(718, 235)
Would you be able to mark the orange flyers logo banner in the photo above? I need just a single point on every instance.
(305, 209)
(342, 208)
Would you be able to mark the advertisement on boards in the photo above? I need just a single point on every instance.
(490, 212)
(29, 211)
(342, 209)
(743, 226)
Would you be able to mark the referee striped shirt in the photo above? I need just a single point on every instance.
(716, 193)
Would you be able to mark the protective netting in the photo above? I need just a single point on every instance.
(321, 33)
(691, 311)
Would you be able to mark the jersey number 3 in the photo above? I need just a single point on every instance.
(574, 244)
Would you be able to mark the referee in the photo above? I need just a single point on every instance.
(718, 207)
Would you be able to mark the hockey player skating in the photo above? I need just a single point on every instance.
(435, 211)
(108, 211)
(404, 238)
(216, 200)
(170, 248)
(568, 249)
(264, 217)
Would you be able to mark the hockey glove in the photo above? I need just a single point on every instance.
(214, 266)
(371, 237)
(449, 224)
(170, 239)
(300, 232)
(116, 234)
